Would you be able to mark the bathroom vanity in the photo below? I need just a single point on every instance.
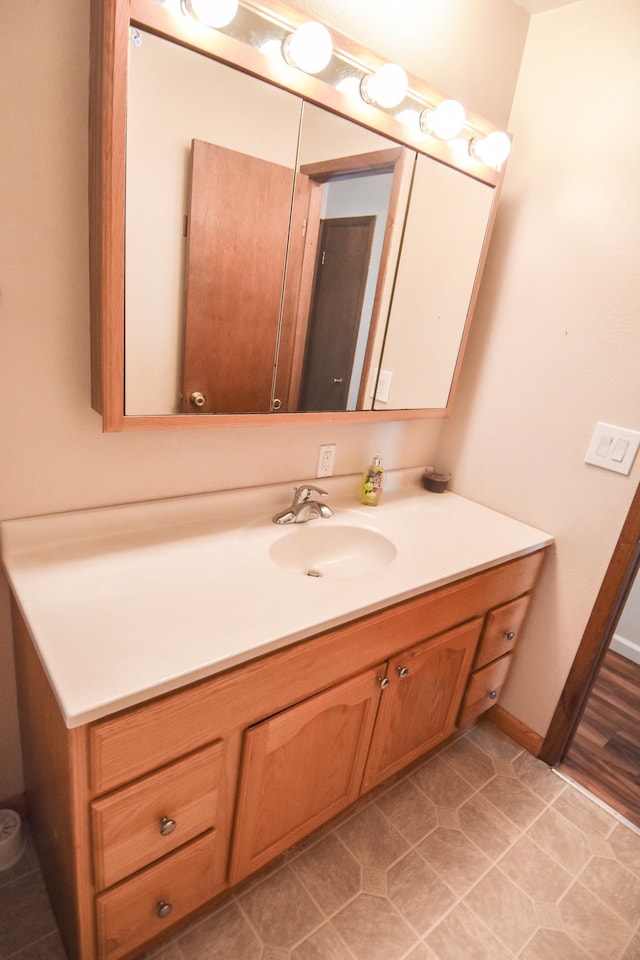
(192, 704)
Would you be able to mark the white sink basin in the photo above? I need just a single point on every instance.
(332, 551)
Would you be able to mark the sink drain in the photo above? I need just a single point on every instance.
(313, 573)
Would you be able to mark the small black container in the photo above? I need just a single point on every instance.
(434, 481)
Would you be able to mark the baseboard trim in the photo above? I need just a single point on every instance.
(516, 729)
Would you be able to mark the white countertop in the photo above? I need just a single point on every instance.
(128, 602)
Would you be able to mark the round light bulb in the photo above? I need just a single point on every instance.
(446, 121)
(387, 86)
(309, 48)
(411, 120)
(215, 13)
(272, 49)
(349, 86)
(492, 149)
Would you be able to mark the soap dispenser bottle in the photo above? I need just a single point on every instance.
(372, 481)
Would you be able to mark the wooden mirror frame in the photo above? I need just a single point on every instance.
(110, 23)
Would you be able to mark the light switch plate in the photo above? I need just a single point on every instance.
(613, 448)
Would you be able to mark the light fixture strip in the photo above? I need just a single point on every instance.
(347, 54)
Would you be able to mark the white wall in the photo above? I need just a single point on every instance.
(555, 344)
(54, 456)
(470, 49)
(626, 639)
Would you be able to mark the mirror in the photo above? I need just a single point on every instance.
(203, 303)
(278, 257)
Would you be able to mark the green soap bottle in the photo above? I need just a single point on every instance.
(372, 481)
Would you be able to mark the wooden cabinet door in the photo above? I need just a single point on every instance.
(300, 767)
(419, 707)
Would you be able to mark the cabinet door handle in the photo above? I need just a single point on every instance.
(403, 672)
(383, 681)
(167, 826)
(509, 634)
(493, 694)
(164, 909)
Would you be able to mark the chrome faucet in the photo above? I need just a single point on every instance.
(303, 508)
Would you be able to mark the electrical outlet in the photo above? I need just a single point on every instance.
(326, 458)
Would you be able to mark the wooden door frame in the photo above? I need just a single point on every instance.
(611, 598)
(310, 182)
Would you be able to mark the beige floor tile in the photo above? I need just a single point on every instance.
(413, 814)
(470, 762)
(503, 907)
(493, 741)
(374, 881)
(324, 944)
(514, 801)
(448, 817)
(50, 948)
(25, 913)
(552, 945)
(461, 935)
(592, 925)
(168, 950)
(388, 872)
(625, 844)
(373, 929)
(455, 858)
(536, 873)
(538, 777)
(584, 814)
(504, 768)
(439, 782)
(28, 863)
(418, 893)
(633, 950)
(329, 872)
(561, 841)
(614, 885)
(281, 911)
(548, 914)
(482, 822)
(225, 934)
(421, 952)
(372, 839)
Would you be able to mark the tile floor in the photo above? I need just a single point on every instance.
(480, 853)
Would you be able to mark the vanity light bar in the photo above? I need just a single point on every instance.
(309, 47)
(213, 13)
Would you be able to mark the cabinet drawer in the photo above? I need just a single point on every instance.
(501, 630)
(484, 689)
(149, 903)
(130, 828)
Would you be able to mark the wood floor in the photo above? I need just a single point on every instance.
(605, 753)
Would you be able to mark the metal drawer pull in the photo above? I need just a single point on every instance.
(383, 681)
(164, 908)
(403, 672)
(509, 634)
(167, 826)
(493, 694)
